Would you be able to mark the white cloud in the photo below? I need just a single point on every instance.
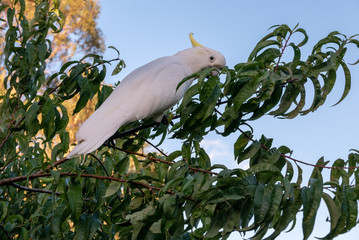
(217, 149)
(221, 152)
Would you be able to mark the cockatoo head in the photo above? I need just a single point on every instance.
(215, 59)
(200, 57)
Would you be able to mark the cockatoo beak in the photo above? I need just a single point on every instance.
(216, 70)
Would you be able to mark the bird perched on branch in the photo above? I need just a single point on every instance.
(148, 91)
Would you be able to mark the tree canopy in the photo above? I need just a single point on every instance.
(179, 195)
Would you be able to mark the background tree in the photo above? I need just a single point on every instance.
(176, 196)
(80, 35)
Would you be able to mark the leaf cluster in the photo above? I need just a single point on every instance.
(121, 192)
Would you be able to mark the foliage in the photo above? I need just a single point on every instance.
(76, 36)
(176, 196)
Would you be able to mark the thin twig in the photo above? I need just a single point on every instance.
(104, 168)
(161, 160)
(33, 189)
(5, 232)
(9, 134)
(99, 161)
(154, 146)
(51, 166)
(281, 54)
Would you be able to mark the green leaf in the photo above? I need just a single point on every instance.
(87, 226)
(329, 39)
(241, 143)
(334, 210)
(193, 90)
(329, 82)
(48, 120)
(121, 65)
(64, 119)
(112, 188)
(290, 94)
(42, 51)
(261, 203)
(31, 121)
(269, 103)
(172, 156)
(276, 199)
(311, 200)
(114, 48)
(10, 16)
(347, 82)
(169, 206)
(296, 58)
(121, 207)
(215, 226)
(81, 103)
(4, 210)
(305, 40)
(249, 152)
(136, 203)
(173, 182)
(103, 95)
(262, 167)
(74, 195)
(56, 222)
(316, 98)
(66, 65)
(300, 104)
(209, 94)
(248, 89)
(260, 46)
(186, 150)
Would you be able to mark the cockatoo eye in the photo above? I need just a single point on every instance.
(211, 58)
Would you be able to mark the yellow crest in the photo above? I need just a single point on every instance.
(194, 42)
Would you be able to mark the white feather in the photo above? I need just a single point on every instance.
(147, 91)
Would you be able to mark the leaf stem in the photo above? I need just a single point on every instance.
(284, 47)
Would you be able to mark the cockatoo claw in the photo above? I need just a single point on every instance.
(165, 120)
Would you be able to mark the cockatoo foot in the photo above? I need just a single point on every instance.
(166, 120)
(111, 141)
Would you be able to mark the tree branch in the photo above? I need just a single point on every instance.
(99, 161)
(281, 54)
(33, 189)
(10, 181)
(51, 166)
(161, 160)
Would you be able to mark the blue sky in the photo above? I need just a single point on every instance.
(145, 30)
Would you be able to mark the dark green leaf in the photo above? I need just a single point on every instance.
(74, 195)
(260, 46)
(347, 82)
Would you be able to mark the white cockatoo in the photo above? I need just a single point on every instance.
(148, 91)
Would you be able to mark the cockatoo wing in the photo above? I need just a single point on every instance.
(147, 91)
